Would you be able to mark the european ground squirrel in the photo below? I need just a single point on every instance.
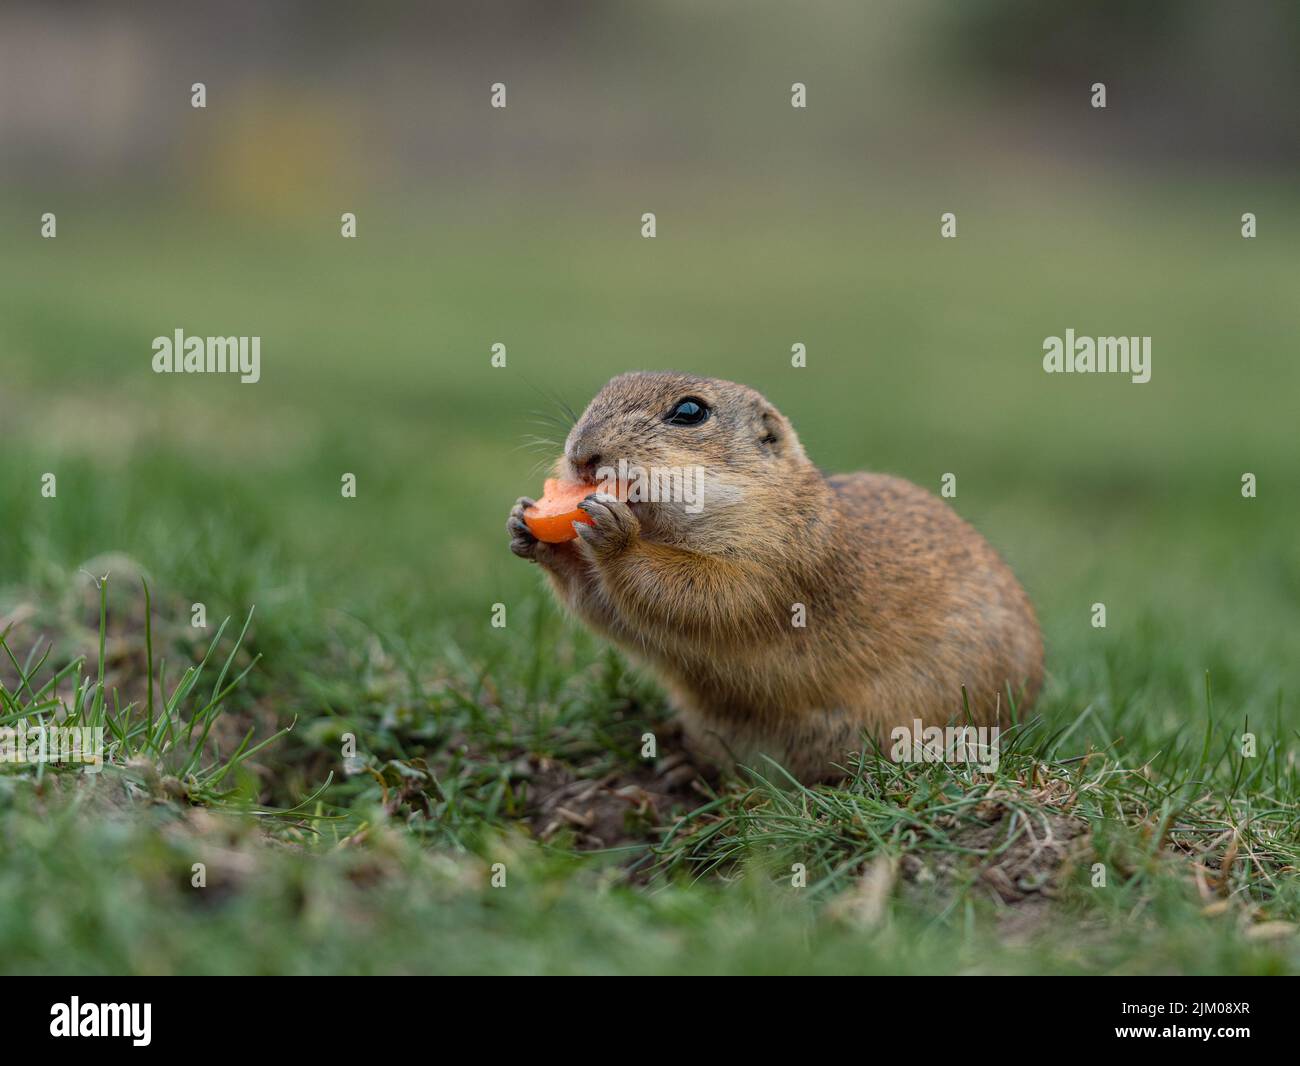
(902, 603)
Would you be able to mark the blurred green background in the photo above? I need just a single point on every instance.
(775, 226)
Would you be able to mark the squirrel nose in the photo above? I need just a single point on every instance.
(585, 463)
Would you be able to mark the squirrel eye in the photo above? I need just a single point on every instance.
(688, 412)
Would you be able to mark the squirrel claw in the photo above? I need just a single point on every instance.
(614, 528)
(522, 541)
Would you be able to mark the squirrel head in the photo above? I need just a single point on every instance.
(701, 454)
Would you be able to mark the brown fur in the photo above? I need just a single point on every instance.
(905, 602)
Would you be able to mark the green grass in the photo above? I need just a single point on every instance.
(372, 616)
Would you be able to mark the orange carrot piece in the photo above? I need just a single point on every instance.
(551, 518)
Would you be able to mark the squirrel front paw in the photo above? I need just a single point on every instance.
(522, 541)
(615, 526)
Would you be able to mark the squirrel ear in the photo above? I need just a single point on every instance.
(773, 436)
